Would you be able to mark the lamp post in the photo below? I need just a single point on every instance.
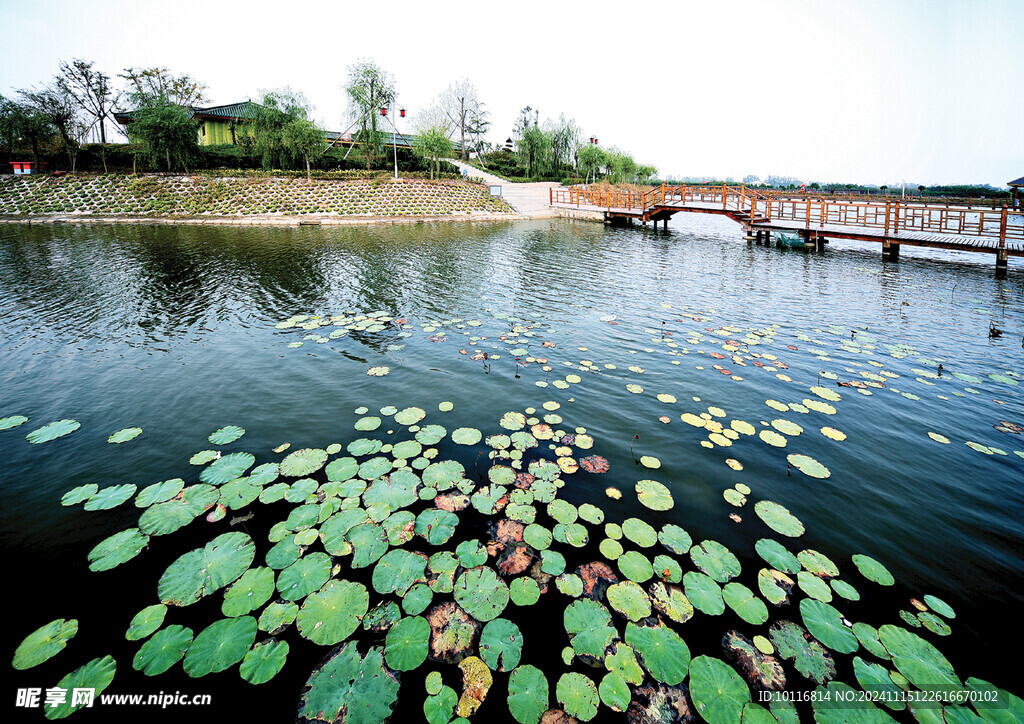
(394, 132)
(593, 142)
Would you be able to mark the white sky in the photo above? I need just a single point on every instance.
(869, 91)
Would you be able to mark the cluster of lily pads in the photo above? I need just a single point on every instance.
(184, 196)
(455, 558)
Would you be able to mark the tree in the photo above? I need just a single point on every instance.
(591, 158)
(90, 89)
(301, 137)
(534, 149)
(565, 139)
(22, 123)
(369, 89)
(461, 104)
(61, 111)
(433, 145)
(146, 84)
(278, 111)
(166, 132)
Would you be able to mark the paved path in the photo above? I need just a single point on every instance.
(529, 199)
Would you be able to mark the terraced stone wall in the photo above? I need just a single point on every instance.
(164, 196)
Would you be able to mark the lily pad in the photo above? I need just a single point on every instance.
(501, 645)
(226, 435)
(635, 566)
(746, 605)
(640, 532)
(79, 495)
(146, 622)
(407, 643)
(578, 695)
(524, 591)
(818, 563)
(227, 468)
(661, 651)
(939, 606)
(110, 497)
(715, 560)
(923, 664)
(825, 623)
(53, 430)
(304, 462)
(873, 570)
(671, 602)
(220, 646)
(654, 495)
(159, 492)
(466, 436)
(718, 692)
(703, 593)
(249, 592)
(349, 687)
(674, 538)
(779, 518)
(95, 676)
(163, 650)
(528, 694)
(629, 600)
(777, 555)
(124, 435)
(11, 421)
(263, 661)
(808, 466)
(588, 624)
(481, 593)
(809, 657)
(205, 570)
(44, 643)
(117, 549)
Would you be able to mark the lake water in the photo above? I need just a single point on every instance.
(172, 329)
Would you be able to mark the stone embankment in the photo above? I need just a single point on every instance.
(202, 199)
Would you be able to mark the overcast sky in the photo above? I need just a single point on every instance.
(865, 91)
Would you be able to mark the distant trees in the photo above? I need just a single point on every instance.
(465, 112)
(162, 120)
(91, 91)
(51, 105)
(433, 145)
(283, 134)
(369, 89)
(149, 83)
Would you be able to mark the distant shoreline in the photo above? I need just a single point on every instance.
(263, 220)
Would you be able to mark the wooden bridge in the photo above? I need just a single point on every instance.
(945, 225)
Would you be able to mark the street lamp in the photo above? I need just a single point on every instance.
(394, 133)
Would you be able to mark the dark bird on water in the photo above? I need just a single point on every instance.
(994, 331)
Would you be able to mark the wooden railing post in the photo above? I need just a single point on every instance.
(1002, 228)
(807, 215)
(551, 196)
(887, 212)
(723, 196)
(896, 219)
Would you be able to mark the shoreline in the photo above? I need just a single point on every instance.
(258, 219)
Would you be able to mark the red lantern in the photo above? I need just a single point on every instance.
(402, 113)
(595, 141)
(383, 111)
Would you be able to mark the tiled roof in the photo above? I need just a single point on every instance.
(246, 110)
(1018, 182)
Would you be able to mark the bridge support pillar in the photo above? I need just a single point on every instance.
(1001, 263)
(819, 243)
(890, 250)
(749, 236)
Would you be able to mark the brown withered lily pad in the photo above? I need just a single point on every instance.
(556, 716)
(452, 632)
(476, 682)
(594, 464)
(509, 531)
(762, 672)
(515, 559)
(660, 704)
(596, 577)
(452, 502)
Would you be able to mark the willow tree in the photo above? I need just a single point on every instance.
(369, 89)
(433, 144)
(277, 146)
(303, 139)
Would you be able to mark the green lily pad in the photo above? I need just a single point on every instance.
(661, 651)
(79, 494)
(95, 675)
(746, 605)
(53, 430)
(809, 466)
(205, 570)
(501, 645)
(874, 679)
(809, 657)
(277, 617)
(718, 692)
(304, 462)
(777, 556)
(249, 592)
(443, 475)
(439, 707)
(164, 518)
(814, 586)
(471, 553)
(704, 593)
(417, 598)
(369, 542)
(481, 593)
(779, 518)
(818, 563)
(528, 694)
(635, 566)
(159, 492)
(436, 526)
(110, 497)
(831, 706)
(873, 570)
(591, 514)
(226, 435)
(578, 695)
(44, 643)
(675, 539)
(431, 434)
(654, 495)
(410, 416)
(939, 606)
(117, 549)
(263, 661)
(227, 468)
(524, 591)
(466, 436)
(124, 435)
(163, 650)
(923, 664)
(367, 424)
(844, 589)
(202, 457)
(407, 643)
(220, 646)
(349, 687)
(11, 421)
(714, 559)
(146, 622)
(640, 532)
(774, 585)
(868, 637)
(629, 600)
(398, 570)
(826, 624)
(304, 576)
(588, 624)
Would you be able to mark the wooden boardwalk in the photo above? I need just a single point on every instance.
(944, 225)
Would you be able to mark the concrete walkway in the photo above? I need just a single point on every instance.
(528, 199)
